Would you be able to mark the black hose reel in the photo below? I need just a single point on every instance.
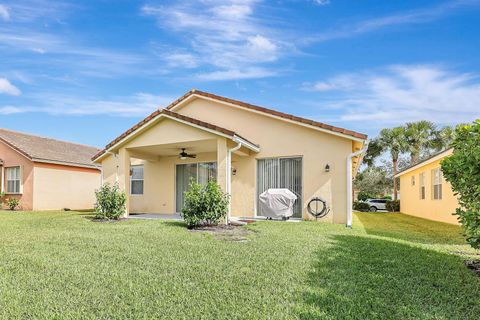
(318, 208)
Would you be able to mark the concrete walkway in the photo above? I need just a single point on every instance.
(152, 216)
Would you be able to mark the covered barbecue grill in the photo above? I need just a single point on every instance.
(277, 203)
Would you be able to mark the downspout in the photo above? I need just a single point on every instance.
(2, 176)
(349, 182)
(229, 178)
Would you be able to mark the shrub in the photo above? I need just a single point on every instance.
(462, 170)
(393, 205)
(363, 196)
(204, 205)
(110, 202)
(361, 206)
(387, 197)
(12, 203)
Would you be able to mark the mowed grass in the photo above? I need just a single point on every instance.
(389, 266)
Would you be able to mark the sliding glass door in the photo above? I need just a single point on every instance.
(285, 173)
(200, 172)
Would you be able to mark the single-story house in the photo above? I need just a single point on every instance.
(246, 148)
(47, 174)
(424, 191)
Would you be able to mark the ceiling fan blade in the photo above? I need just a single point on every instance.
(191, 155)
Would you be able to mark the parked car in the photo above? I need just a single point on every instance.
(377, 204)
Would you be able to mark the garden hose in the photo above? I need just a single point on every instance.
(318, 208)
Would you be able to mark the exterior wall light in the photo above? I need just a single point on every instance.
(327, 168)
(234, 171)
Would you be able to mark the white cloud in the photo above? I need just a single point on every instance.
(7, 88)
(10, 110)
(404, 93)
(137, 105)
(322, 2)
(224, 35)
(422, 15)
(235, 74)
(4, 13)
(31, 10)
(180, 59)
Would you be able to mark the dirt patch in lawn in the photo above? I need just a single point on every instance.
(105, 220)
(227, 232)
(473, 265)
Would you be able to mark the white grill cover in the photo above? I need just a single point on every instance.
(276, 203)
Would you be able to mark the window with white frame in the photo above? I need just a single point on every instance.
(422, 185)
(13, 179)
(437, 184)
(136, 180)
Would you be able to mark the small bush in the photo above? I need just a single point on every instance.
(393, 205)
(361, 206)
(110, 202)
(387, 197)
(204, 205)
(13, 203)
(363, 196)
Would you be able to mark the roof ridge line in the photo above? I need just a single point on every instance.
(49, 138)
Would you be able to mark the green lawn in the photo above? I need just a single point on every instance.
(390, 266)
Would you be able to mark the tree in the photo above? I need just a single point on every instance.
(394, 141)
(445, 137)
(373, 181)
(374, 150)
(462, 170)
(421, 135)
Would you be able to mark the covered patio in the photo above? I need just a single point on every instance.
(153, 158)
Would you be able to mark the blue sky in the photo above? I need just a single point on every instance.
(86, 71)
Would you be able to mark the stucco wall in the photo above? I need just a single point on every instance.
(276, 139)
(280, 139)
(57, 187)
(428, 208)
(12, 158)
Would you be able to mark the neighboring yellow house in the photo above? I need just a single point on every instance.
(425, 193)
(246, 148)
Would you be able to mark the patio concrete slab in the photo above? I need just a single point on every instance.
(154, 216)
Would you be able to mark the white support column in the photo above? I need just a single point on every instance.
(124, 177)
(229, 178)
(2, 176)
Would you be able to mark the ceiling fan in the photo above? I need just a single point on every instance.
(184, 155)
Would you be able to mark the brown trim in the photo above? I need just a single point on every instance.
(169, 112)
(26, 155)
(269, 111)
(65, 167)
(15, 148)
(175, 115)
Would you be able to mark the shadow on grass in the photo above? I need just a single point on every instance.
(409, 228)
(367, 278)
(176, 224)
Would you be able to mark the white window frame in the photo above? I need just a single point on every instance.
(18, 180)
(135, 180)
(437, 181)
(421, 184)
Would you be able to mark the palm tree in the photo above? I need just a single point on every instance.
(421, 135)
(394, 140)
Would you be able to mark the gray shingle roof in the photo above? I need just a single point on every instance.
(40, 149)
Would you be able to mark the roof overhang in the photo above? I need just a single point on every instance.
(260, 110)
(436, 157)
(166, 114)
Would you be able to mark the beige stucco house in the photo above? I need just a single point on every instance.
(247, 148)
(47, 174)
(425, 193)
